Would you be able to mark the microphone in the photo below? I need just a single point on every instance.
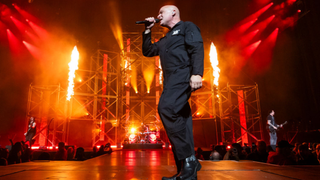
(146, 22)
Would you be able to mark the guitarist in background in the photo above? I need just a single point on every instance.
(32, 129)
(273, 126)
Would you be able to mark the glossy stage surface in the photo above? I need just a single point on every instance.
(150, 165)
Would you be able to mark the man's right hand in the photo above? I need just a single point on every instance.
(149, 25)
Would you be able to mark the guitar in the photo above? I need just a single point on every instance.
(271, 129)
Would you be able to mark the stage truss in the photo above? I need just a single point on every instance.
(139, 100)
(110, 104)
(95, 100)
(240, 114)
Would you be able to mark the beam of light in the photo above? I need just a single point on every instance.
(115, 23)
(34, 51)
(248, 51)
(214, 63)
(79, 108)
(262, 25)
(290, 2)
(134, 79)
(148, 74)
(42, 33)
(236, 32)
(246, 39)
(14, 43)
(32, 37)
(21, 26)
(262, 57)
(245, 55)
(73, 66)
(245, 24)
(24, 13)
(256, 14)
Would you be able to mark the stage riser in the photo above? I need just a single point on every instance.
(142, 146)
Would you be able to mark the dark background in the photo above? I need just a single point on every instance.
(289, 86)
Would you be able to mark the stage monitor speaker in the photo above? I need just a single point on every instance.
(80, 133)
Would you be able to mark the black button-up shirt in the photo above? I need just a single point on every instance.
(181, 47)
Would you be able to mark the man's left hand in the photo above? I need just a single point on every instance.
(195, 82)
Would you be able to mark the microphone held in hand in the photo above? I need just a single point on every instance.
(147, 22)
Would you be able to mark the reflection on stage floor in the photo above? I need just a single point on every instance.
(150, 165)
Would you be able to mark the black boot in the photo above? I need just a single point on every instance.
(189, 170)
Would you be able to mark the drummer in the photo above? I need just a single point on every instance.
(146, 128)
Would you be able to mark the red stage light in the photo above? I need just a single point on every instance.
(14, 43)
(262, 58)
(246, 24)
(35, 147)
(22, 27)
(290, 2)
(25, 14)
(35, 52)
(246, 39)
(248, 51)
(263, 24)
(42, 33)
(257, 14)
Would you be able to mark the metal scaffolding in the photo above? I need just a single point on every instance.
(44, 104)
(112, 95)
(230, 100)
(139, 100)
(204, 101)
(95, 101)
(98, 94)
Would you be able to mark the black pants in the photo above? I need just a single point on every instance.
(273, 139)
(175, 114)
(29, 137)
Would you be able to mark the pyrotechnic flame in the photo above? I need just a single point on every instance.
(214, 63)
(73, 66)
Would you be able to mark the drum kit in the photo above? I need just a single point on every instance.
(143, 135)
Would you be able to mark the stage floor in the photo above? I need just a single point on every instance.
(150, 165)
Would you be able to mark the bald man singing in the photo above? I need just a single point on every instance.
(181, 53)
